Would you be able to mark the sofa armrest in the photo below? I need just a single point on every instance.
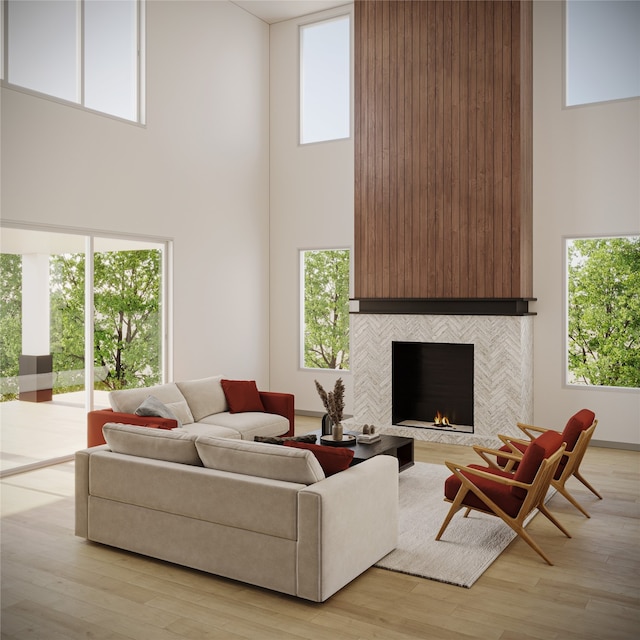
(281, 404)
(82, 494)
(82, 461)
(346, 523)
(97, 419)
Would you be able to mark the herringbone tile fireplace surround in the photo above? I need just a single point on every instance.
(503, 370)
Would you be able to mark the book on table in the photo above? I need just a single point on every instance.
(367, 438)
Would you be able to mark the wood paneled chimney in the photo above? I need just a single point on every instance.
(443, 150)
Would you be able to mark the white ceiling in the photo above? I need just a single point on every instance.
(272, 11)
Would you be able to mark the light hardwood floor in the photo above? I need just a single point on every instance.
(33, 432)
(57, 586)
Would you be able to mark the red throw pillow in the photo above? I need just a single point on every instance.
(242, 395)
(331, 459)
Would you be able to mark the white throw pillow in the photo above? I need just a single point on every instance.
(128, 400)
(204, 396)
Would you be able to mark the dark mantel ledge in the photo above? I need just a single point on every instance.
(445, 306)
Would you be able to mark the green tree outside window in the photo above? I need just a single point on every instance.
(604, 311)
(326, 309)
(10, 323)
(127, 316)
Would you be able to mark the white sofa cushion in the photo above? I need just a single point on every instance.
(251, 423)
(204, 396)
(205, 429)
(259, 459)
(175, 445)
(128, 400)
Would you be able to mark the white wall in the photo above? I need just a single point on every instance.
(586, 168)
(198, 173)
(311, 208)
(585, 182)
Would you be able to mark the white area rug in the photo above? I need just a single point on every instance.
(467, 547)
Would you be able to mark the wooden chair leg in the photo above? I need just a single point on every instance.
(447, 520)
(456, 505)
(530, 541)
(577, 475)
(545, 512)
(561, 489)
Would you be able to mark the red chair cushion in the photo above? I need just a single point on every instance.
(331, 459)
(499, 493)
(542, 447)
(577, 423)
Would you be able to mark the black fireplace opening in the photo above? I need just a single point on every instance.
(432, 385)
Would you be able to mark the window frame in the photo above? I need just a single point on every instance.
(140, 67)
(304, 25)
(566, 71)
(566, 383)
(90, 238)
(301, 307)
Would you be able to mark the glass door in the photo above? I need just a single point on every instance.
(80, 315)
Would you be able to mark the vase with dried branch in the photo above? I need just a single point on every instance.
(333, 402)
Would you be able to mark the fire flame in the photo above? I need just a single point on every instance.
(440, 419)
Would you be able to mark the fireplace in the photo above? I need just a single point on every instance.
(432, 385)
(502, 372)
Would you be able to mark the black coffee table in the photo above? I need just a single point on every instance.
(397, 446)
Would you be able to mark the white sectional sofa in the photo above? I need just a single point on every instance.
(201, 407)
(260, 513)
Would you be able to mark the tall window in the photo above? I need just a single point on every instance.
(325, 80)
(603, 314)
(602, 50)
(82, 51)
(325, 308)
(43, 310)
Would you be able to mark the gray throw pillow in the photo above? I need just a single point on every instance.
(153, 407)
(309, 438)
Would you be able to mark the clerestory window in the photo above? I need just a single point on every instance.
(602, 51)
(87, 52)
(325, 80)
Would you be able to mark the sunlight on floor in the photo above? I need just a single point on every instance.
(25, 491)
(34, 431)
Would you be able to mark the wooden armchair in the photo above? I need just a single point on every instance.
(511, 496)
(576, 435)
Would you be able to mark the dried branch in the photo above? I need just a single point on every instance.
(333, 401)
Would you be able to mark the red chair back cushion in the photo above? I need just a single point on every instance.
(542, 447)
(577, 423)
(331, 459)
(507, 449)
